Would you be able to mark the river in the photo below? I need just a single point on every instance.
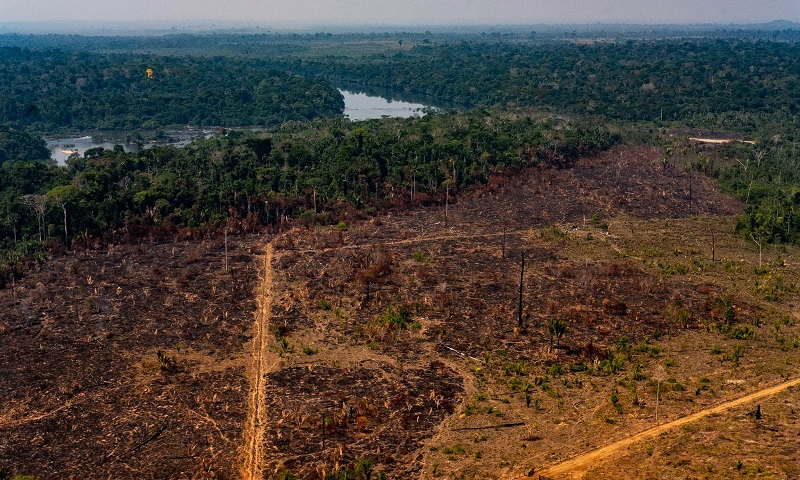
(62, 148)
(360, 106)
(357, 107)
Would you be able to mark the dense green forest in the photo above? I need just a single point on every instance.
(735, 85)
(17, 145)
(52, 90)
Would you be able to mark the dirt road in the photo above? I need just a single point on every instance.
(578, 466)
(263, 361)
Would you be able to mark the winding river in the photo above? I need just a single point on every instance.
(357, 107)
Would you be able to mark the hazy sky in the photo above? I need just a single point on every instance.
(275, 13)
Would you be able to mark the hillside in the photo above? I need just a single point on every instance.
(400, 335)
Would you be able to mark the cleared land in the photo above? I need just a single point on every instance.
(397, 339)
(577, 467)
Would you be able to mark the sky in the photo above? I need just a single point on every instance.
(277, 13)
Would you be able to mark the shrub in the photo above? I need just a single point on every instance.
(398, 318)
(516, 368)
(738, 351)
(454, 450)
(741, 332)
(613, 364)
(167, 364)
(637, 372)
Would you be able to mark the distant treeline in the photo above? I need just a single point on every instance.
(53, 90)
(729, 84)
(736, 83)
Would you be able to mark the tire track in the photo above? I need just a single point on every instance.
(576, 467)
(262, 363)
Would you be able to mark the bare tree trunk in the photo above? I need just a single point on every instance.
(226, 250)
(504, 243)
(446, 202)
(521, 277)
(66, 232)
(38, 203)
(757, 242)
(713, 247)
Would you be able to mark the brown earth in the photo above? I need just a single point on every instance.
(397, 339)
(84, 394)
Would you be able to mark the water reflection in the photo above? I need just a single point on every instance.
(360, 106)
(62, 148)
(357, 106)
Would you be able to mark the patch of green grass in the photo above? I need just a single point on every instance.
(309, 351)
(555, 370)
(670, 269)
(398, 318)
(650, 350)
(454, 450)
(422, 257)
(740, 332)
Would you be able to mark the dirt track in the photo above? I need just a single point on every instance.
(263, 362)
(580, 465)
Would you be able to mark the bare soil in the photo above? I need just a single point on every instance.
(398, 339)
(84, 394)
(577, 467)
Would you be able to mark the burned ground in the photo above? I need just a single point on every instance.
(401, 336)
(379, 411)
(125, 363)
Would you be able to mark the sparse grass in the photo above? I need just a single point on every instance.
(464, 294)
(398, 318)
(309, 351)
(167, 363)
(454, 450)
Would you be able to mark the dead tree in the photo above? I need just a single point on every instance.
(521, 277)
(503, 247)
(758, 242)
(713, 247)
(62, 204)
(37, 203)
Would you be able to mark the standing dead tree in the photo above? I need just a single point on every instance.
(37, 203)
(758, 241)
(62, 204)
(521, 278)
